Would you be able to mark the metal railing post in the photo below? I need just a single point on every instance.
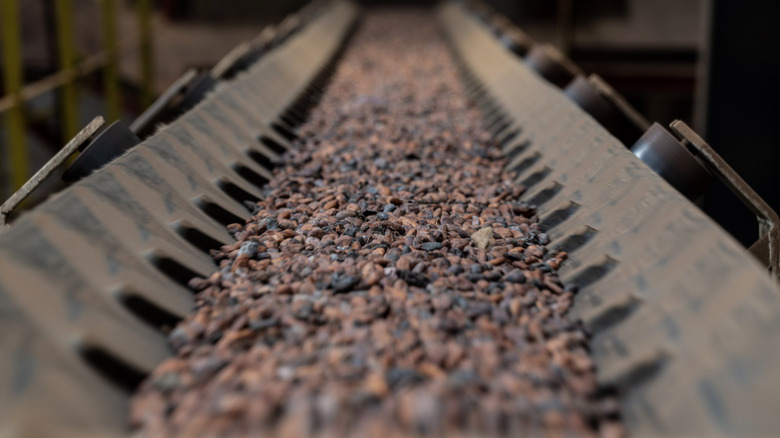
(111, 73)
(145, 50)
(13, 74)
(67, 55)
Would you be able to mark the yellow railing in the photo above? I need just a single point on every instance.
(108, 15)
(17, 163)
(71, 69)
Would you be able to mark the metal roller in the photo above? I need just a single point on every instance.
(110, 143)
(588, 98)
(667, 156)
(551, 64)
(609, 108)
(516, 41)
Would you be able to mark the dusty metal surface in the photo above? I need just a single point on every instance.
(44, 172)
(90, 279)
(684, 321)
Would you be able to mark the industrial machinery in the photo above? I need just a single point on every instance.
(684, 319)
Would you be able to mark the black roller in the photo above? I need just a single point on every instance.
(109, 144)
(552, 65)
(196, 91)
(668, 157)
(516, 42)
(584, 94)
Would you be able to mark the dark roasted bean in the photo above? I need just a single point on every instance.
(474, 277)
(515, 276)
(455, 270)
(413, 278)
(431, 246)
(344, 283)
(492, 276)
(513, 256)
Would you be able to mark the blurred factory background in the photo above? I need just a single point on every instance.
(711, 63)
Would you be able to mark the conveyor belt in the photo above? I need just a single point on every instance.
(684, 321)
